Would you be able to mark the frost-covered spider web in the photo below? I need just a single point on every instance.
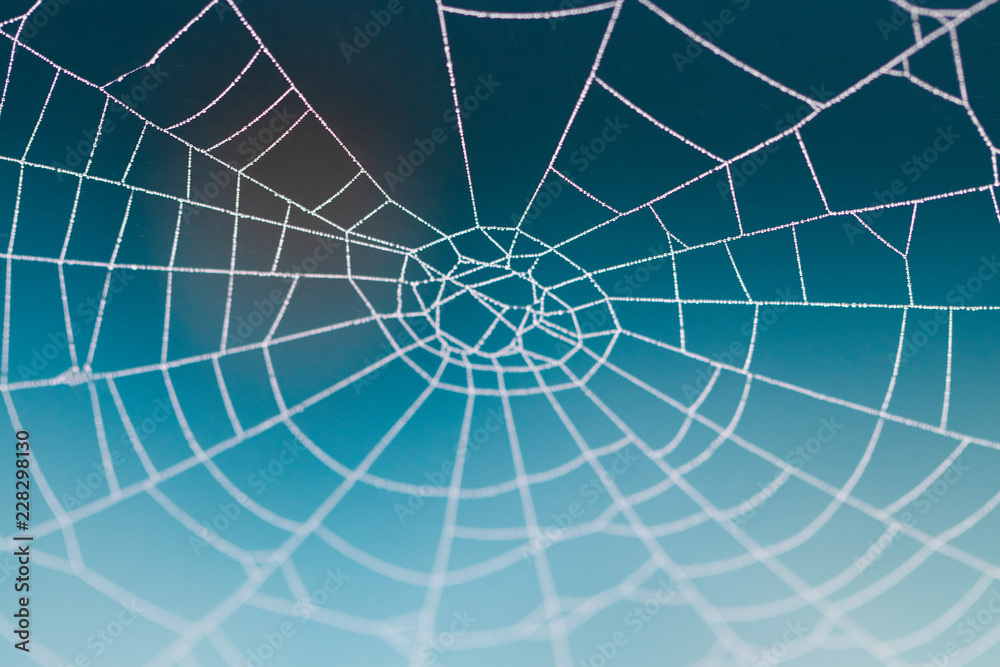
(714, 384)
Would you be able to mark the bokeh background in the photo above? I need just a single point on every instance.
(494, 333)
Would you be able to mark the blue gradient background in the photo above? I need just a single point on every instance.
(98, 552)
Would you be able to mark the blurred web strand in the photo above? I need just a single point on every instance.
(556, 617)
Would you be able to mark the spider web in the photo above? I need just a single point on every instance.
(553, 329)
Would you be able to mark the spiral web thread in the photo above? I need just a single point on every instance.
(558, 616)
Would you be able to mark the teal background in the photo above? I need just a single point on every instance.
(245, 367)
